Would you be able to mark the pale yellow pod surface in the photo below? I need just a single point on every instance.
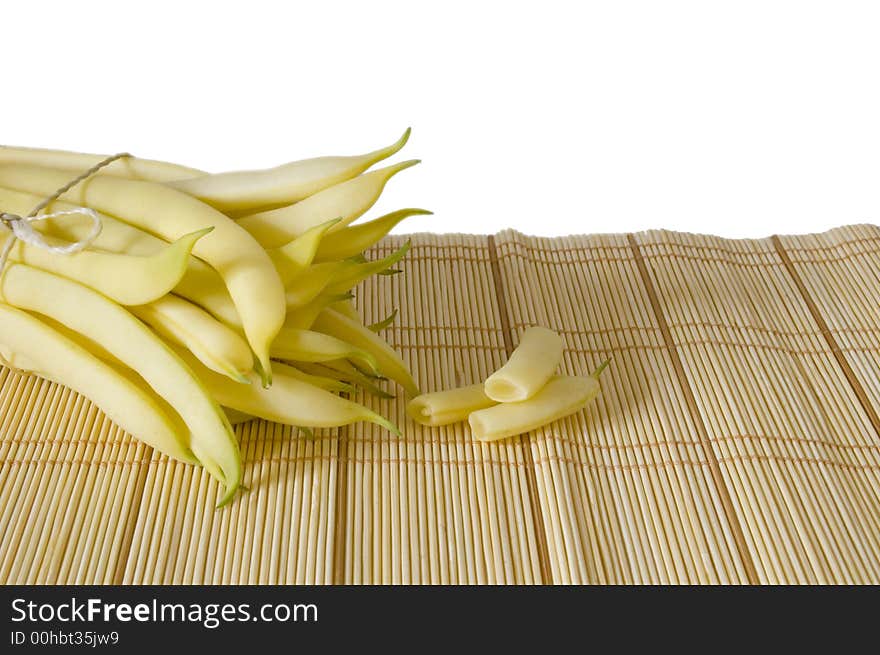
(390, 363)
(217, 346)
(346, 308)
(343, 370)
(236, 417)
(296, 256)
(243, 264)
(290, 400)
(560, 397)
(200, 283)
(304, 317)
(78, 162)
(354, 239)
(320, 381)
(353, 273)
(533, 362)
(127, 279)
(309, 346)
(450, 406)
(345, 201)
(28, 344)
(134, 344)
(303, 288)
(273, 187)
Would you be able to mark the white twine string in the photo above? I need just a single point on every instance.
(22, 230)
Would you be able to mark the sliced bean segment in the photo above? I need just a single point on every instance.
(529, 368)
(450, 406)
(560, 397)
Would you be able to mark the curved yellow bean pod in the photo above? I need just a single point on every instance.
(343, 370)
(450, 406)
(293, 258)
(346, 308)
(530, 366)
(217, 346)
(308, 346)
(229, 249)
(28, 344)
(289, 400)
(560, 397)
(127, 279)
(390, 363)
(236, 417)
(321, 381)
(350, 276)
(78, 162)
(135, 345)
(200, 283)
(345, 201)
(354, 239)
(304, 317)
(306, 286)
(273, 187)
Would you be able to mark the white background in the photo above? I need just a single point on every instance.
(736, 118)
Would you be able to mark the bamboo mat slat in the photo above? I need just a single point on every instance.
(737, 438)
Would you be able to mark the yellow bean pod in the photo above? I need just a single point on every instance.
(127, 279)
(450, 406)
(236, 417)
(131, 342)
(321, 381)
(344, 370)
(390, 363)
(354, 239)
(304, 317)
(241, 191)
(200, 283)
(529, 368)
(345, 201)
(293, 258)
(346, 308)
(78, 162)
(349, 277)
(560, 397)
(229, 249)
(306, 286)
(308, 346)
(28, 344)
(289, 400)
(215, 345)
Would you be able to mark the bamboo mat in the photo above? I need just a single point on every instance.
(737, 439)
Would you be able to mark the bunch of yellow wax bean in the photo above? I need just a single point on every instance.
(206, 299)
